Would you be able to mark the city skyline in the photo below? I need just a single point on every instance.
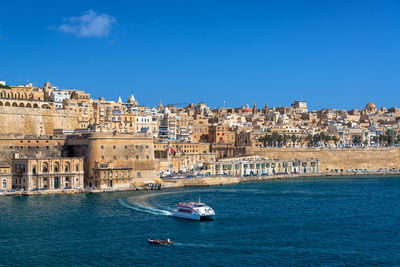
(334, 55)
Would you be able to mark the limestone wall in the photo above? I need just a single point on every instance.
(35, 121)
(336, 158)
(30, 147)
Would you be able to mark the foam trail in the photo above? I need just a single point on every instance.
(145, 209)
(192, 245)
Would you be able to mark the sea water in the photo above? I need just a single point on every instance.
(313, 221)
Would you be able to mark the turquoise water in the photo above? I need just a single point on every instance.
(324, 221)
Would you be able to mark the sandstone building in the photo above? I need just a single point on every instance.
(51, 173)
(5, 177)
(114, 160)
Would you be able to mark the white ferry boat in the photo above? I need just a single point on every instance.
(194, 211)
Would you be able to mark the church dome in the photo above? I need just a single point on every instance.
(370, 105)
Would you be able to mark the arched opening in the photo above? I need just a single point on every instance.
(35, 105)
(45, 184)
(21, 105)
(8, 95)
(25, 96)
(1, 103)
(31, 96)
(14, 104)
(2, 94)
(56, 167)
(17, 96)
(67, 167)
(4, 183)
(46, 106)
(28, 105)
(56, 183)
(45, 167)
(7, 104)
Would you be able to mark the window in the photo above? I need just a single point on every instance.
(104, 174)
(56, 167)
(4, 183)
(114, 147)
(34, 169)
(122, 174)
(77, 167)
(101, 147)
(45, 167)
(67, 167)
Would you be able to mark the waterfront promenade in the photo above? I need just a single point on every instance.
(206, 181)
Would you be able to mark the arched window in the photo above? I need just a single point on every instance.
(56, 167)
(4, 183)
(67, 166)
(45, 167)
(77, 167)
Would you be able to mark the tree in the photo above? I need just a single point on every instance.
(375, 139)
(293, 138)
(335, 139)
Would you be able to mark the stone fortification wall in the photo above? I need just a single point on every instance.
(35, 121)
(116, 151)
(30, 147)
(369, 158)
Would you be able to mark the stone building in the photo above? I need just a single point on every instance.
(5, 176)
(49, 173)
(255, 166)
(114, 160)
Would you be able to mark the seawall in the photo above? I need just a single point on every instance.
(331, 159)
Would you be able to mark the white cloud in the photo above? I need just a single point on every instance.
(88, 25)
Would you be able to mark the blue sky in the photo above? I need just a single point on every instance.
(331, 53)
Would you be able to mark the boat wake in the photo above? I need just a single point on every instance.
(192, 245)
(148, 203)
(146, 209)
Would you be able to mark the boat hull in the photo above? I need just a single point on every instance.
(196, 217)
(160, 242)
